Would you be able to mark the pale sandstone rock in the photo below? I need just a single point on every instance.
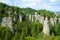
(52, 21)
(20, 18)
(46, 29)
(7, 21)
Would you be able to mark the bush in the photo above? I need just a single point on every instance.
(57, 29)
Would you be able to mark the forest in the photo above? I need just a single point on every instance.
(27, 30)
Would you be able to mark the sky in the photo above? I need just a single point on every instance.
(52, 5)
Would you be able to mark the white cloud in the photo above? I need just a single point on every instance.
(27, 0)
(31, 0)
(4, 1)
(45, 6)
(31, 4)
(52, 1)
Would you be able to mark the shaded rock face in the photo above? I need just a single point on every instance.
(16, 16)
(37, 17)
(46, 29)
(52, 21)
(31, 17)
(4, 22)
(20, 18)
(7, 21)
(59, 20)
(41, 19)
(55, 20)
(0, 21)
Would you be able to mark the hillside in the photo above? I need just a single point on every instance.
(4, 8)
(28, 24)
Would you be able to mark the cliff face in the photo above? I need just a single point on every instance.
(46, 28)
(8, 21)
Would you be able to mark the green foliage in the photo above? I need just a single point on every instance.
(36, 28)
(46, 13)
(5, 33)
(57, 38)
(30, 38)
(57, 29)
(28, 10)
(16, 36)
(52, 30)
(41, 36)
